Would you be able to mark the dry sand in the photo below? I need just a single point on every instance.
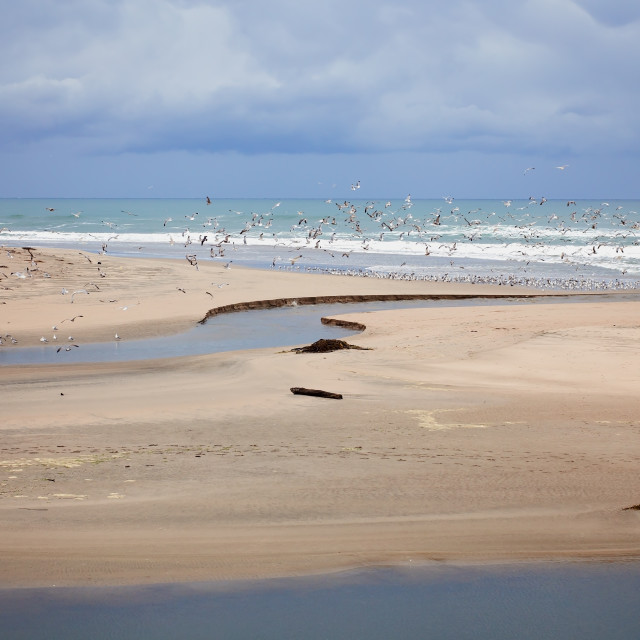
(466, 434)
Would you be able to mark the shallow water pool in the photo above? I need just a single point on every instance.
(590, 601)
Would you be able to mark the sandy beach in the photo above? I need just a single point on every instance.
(500, 433)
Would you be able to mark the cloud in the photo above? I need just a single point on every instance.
(614, 14)
(330, 77)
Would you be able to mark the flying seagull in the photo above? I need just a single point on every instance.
(79, 291)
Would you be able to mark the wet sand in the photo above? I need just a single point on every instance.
(466, 434)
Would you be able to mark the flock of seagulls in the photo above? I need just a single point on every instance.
(441, 232)
(404, 224)
(90, 287)
(31, 271)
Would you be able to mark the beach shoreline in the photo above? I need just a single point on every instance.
(472, 434)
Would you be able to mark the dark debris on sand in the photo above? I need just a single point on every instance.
(325, 345)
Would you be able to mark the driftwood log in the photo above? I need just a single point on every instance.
(301, 391)
(325, 345)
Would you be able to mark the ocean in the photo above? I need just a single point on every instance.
(552, 244)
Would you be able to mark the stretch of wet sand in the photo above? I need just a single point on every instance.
(494, 433)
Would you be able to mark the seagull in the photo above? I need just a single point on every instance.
(562, 167)
(79, 291)
(355, 186)
(55, 327)
(527, 170)
(59, 349)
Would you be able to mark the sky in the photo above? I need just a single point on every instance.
(293, 98)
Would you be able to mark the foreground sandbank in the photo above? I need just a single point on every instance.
(464, 434)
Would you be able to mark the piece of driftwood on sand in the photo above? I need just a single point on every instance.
(301, 391)
(325, 345)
